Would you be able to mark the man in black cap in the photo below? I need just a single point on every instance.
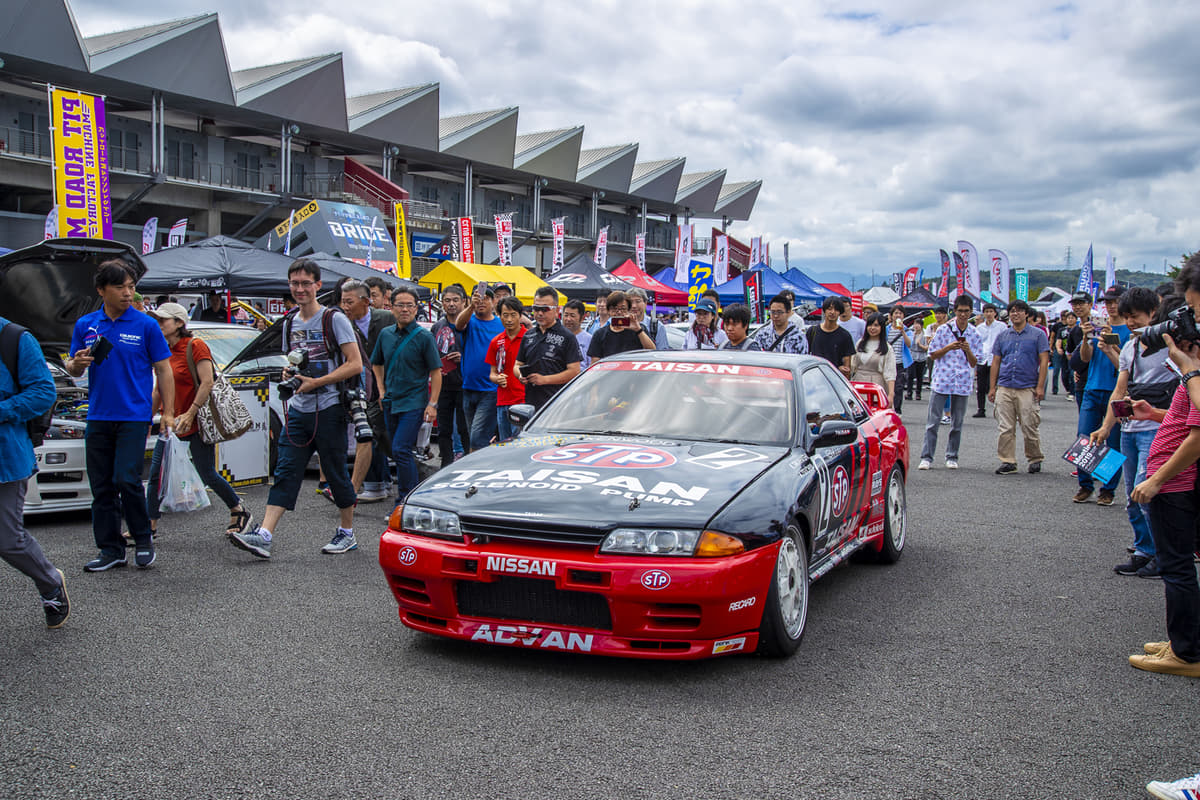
(1081, 305)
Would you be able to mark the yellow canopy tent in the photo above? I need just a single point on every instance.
(523, 282)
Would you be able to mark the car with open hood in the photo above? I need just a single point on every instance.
(661, 505)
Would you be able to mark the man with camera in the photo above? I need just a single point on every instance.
(408, 367)
(1099, 351)
(325, 359)
(122, 350)
(623, 333)
(1171, 489)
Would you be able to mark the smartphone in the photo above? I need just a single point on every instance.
(480, 288)
(619, 322)
(1111, 338)
(100, 350)
(1122, 408)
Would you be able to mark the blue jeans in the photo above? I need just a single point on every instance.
(404, 427)
(204, 459)
(933, 418)
(115, 453)
(1091, 415)
(324, 432)
(480, 410)
(504, 428)
(1135, 446)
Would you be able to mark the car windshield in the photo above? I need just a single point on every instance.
(678, 400)
(226, 342)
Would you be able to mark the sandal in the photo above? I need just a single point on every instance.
(239, 521)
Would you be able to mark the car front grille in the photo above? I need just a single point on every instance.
(492, 528)
(533, 600)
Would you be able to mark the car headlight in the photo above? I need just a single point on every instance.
(671, 542)
(427, 521)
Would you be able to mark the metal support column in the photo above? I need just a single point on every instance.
(468, 191)
(595, 229)
(643, 217)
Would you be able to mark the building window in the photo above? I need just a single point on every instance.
(181, 159)
(33, 134)
(122, 150)
(246, 170)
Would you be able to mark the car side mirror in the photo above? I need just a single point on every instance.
(833, 432)
(519, 415)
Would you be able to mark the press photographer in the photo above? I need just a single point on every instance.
(320, 384)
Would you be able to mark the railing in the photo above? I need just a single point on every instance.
(25, 143)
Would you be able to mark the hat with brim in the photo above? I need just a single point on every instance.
(171, 311)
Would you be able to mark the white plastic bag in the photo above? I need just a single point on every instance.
(181, 487)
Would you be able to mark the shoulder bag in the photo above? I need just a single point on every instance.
(1158, 394)
(223, 416)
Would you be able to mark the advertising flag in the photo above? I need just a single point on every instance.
(910, 281)
(50, 230)
(971, 258)
(786, 265)
(559, 228)
(1085, 274)
(960, 272)
(683, 253)
(944, 289)
(287, 245)
(1110, 270)
(856, 304)
(897, 283)
(504, 231)
(999, 285)
(700, 280)
(403, 253)
(752, 284)
(149, 235)
(756, 256)
(639, 251)
(80, 149)
(1021, 279)
(178, 234)
(465, 230)
(600, 257)
(766, 253)
(739, 253)
(721, 260)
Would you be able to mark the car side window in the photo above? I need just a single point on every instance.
(858, 409)
(821, 400)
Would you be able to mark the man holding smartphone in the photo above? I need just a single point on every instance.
(123, 351)
(479, 325)
(1101, 356)
(623, 333)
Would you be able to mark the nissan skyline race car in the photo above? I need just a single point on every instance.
(663, 505)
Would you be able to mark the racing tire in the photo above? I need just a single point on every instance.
(895, 519)
(785, 615)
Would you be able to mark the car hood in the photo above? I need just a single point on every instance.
(48, 286)
(597, 482)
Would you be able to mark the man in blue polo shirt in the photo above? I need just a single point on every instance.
(130, 352)
(1101, 359)
(1017, 384)
(479, 324)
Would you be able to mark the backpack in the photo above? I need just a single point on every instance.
(10, 340)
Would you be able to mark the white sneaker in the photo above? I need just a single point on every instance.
(945, 419)
(1183, 789)
(951, 464)
(372, 495)
(925, 464)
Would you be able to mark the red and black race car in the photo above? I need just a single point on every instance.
(663, 505)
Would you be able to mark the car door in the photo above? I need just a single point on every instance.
(836, 519)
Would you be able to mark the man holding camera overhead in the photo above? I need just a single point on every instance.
(323, 351)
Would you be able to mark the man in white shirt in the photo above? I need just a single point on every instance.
(854, 325)
(988, 330)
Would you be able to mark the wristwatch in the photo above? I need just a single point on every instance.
(1189, 375)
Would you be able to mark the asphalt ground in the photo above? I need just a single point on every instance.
(989, 662)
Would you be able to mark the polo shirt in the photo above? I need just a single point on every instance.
(476, 338)
(120, 388)
(1020, 356)
(407, 377)
(547, 353)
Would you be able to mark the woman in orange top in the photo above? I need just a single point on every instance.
(189, 398)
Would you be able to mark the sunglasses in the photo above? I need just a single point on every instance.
(541, 308)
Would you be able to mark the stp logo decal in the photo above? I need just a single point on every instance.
(656, 579)
(408, 556)
(839, 491)
(611, 456)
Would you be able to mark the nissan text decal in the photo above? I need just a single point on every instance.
(840, 491)
(610, 456)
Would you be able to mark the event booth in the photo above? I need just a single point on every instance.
(523, 282)
(584, 279)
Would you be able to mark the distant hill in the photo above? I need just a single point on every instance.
(1067, 278)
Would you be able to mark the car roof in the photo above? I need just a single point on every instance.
(750, 358)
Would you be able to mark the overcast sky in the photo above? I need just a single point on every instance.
(882, 132)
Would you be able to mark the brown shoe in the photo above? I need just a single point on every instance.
(1166, 662)
(1082, 495)
(1155, 648)
(1105, 498)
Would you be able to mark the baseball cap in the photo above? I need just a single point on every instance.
(706, 305)
(1081, 297)
(171, 311)
(1114, 293)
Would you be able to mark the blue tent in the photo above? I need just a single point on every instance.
(733, 291)
(812, 289)
(667, 275)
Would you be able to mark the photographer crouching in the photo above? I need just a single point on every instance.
(1171, 488)
(323, 352)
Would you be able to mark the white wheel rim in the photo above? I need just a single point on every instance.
(791, 585)
(897, 511)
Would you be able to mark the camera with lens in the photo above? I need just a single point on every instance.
(356, 401)
(297, 362)
(1180, 325)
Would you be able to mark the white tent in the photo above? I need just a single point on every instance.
(1051, 294)
(880, 295)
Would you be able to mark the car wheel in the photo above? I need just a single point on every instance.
(273, 446)
(895, 518)
(786, 613)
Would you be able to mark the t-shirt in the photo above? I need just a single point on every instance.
(1181, 417)
(476, 339)
(607, 342)
(406, 375)
(502, 354)
(1153, 368)
(121, 387)
(185, 387)
(855, 326)
(547, 353)
(833, 346)
(310, 335)
(1020, 356)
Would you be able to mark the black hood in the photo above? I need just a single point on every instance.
(48, 286)
(610, 481)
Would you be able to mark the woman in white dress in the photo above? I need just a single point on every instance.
(873, 361)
